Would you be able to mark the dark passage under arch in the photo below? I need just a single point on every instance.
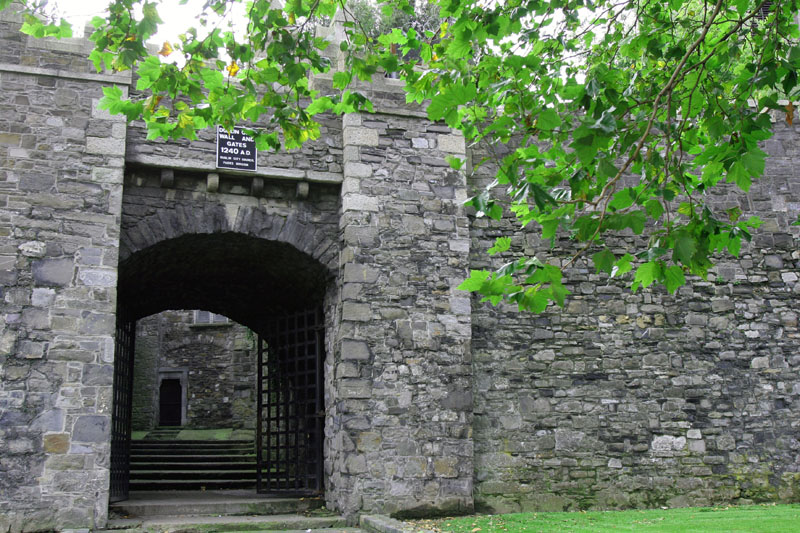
(264, 285)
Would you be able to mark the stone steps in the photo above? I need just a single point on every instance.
(280, 522)
(139, 458)
(161, 464)
(154, 504)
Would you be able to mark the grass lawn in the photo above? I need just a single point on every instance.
(750, 518)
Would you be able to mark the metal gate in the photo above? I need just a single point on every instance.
(291, 412)
(122, 408)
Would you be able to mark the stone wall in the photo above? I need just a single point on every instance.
(220, 363)
(401, 406)
(434, 403)
(649, 399)
(61, 166)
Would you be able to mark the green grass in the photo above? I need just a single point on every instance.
(751, 518)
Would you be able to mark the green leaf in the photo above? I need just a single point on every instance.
(501, 244)
(320, 105)
(341, 79)
(475, 281)
(622, 266)
(654, 209)
(646, 274)
(685, 248)
(740, 176)
(604, 261)
(455, 162)
(212, 79)
(673, 278)
(548, 119)
(753, 162)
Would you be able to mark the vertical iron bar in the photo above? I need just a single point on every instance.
(259, 414)
(319, 411)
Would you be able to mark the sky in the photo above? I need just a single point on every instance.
(176, 17)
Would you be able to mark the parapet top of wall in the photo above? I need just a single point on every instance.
(62, 58)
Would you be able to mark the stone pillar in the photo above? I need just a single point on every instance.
(61, 166)
(401, 402)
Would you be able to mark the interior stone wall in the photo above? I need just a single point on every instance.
(649, 399)
(219, 358)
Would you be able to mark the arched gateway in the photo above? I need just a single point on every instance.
(258, 261)
(430, 402)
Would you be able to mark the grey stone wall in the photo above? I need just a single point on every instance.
(60, 191)
(401, 407)
(648, 399)
(434, 403)
(220, 360)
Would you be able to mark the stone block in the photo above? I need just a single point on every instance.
(105, 145)
(42, 297)
(91, 428)
(446, 467)
(97, 323)
(53, 272)
(360, 136)
(359, 202)
(56, 443)
(98, 375)
(458, 400)
(97, 278)
(666, 443)
(453, 144)
(357, 170)
(356, 311)
(353, 349)
(33, 249)
(50, 420)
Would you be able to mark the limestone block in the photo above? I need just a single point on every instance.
(452, 143)
(446, 467)
(105, 145)
(697, 446)
(353, 169)
(97, 277)
(359, 136)
(359, 202)
(665, 443)
(53, 272)
(33, 249)
(356, 311)
(91, 428)
(56, 443)
(352, 349)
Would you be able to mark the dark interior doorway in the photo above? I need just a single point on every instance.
(170, 402)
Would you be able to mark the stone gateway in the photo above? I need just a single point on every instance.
(432, 402)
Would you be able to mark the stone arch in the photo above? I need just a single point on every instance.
(298, 229)
(245, 278)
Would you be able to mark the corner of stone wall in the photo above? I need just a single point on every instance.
(401, 439)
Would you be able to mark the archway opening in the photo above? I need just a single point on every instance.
(273, 289)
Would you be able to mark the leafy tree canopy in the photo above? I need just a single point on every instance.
(617, 115)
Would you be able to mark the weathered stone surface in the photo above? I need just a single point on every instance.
(53, 272)
(56, 443)
(91, 428)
